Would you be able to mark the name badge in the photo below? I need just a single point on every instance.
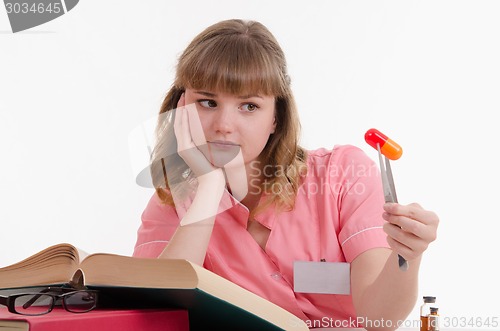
(322, 277)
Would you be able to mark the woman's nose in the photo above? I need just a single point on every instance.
(224, 121)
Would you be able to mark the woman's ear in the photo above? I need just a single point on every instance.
(274, 125)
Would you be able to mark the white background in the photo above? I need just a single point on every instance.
(426, 73)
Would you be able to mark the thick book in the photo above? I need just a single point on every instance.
(213, 302)
(97, 320)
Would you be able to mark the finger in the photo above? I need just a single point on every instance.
(427, 232)
(399, 248)
(408, 224)
(177, 114)
(178, 122)
(178, 125)
(182, 101)
(181, 130)
(404, 243)
(413, 211)
(414, 219)
(195, 126)
(406, 238)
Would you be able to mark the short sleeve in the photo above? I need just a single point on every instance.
(159, 222)
(361, 200)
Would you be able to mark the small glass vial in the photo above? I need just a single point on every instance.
(434, 319)
(425, 311)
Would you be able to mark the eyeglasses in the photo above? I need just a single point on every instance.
(74, 301)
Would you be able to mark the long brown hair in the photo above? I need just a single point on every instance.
(236, 57)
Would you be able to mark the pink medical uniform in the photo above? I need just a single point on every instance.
(337, 216)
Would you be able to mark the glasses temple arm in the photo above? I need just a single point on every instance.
(31, 301)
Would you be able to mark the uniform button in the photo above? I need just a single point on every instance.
(276, 276)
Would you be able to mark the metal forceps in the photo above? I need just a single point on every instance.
(389, 193)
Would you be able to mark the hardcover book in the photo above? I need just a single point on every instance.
(213, 302)
(97, 320)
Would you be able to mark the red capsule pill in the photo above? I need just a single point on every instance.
(388, 147)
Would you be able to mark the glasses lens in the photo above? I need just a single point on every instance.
(80, 301)
(33, 304)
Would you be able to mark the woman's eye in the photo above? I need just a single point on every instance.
(207, 103)
(249, 107)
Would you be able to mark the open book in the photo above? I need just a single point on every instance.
(213, 302)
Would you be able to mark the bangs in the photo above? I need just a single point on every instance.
(233, 64)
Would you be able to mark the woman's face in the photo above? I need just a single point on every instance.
(234, 121)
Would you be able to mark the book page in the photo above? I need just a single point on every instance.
(14, 325)
(82, 255)
(53, 265)
(117, 270)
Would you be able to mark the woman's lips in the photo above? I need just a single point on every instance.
(225, 145)
(221, 152)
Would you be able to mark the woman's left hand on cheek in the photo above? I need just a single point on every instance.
(410, 229)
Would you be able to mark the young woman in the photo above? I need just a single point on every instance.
(236, 193)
